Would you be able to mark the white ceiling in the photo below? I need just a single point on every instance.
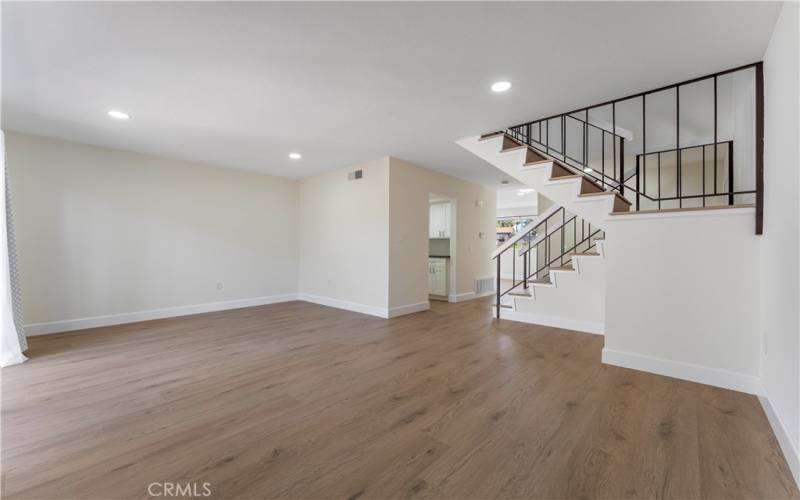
(508, 197)
(242, 85)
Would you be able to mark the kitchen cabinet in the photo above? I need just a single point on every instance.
(437, 276)
(439, 221)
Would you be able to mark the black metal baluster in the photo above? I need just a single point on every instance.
(644, 141)
(525, 269)
(614, 135)
(637, 183)
(715, 135)
(497, 301)
(704, 176)
(731, 189)
(575, 233)
(603, 158)
(678, 144)
(622, 166)
(659, 180)
(586, 140)
(513, 265)
(759, 148)
(547, 137)
(563, 223)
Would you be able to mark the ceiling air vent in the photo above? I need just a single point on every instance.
(355, 175)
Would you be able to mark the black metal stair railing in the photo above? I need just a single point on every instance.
(546, 243)
(569, 137)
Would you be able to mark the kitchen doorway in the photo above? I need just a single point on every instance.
(441, 246)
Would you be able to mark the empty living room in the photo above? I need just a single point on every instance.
(374, 250)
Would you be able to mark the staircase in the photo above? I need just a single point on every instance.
(558, 251)
(600, 192)
(570, 188)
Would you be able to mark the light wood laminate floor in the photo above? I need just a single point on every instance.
(297, 400)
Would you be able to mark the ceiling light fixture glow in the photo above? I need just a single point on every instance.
(501, 86)
(119, 115)
(588, 169)
(295, 156)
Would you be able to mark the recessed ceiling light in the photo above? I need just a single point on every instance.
(295, 156)
(119, 115)
(501, 86)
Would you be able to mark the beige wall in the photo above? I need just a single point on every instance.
(364, 243)
(410, 187)
(107, 236)
(104, 232)
(344, 238)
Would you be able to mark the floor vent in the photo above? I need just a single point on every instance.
(484, 285)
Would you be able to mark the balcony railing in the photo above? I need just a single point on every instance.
(690, 129)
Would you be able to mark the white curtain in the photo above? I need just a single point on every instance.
(12, 336)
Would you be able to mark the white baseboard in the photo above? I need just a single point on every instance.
(34, 329)
(554, 321)
(409, 308)
(790, 452)
(685, 371)
(167, 312)
(460, 297)
(381, 312)
(463, 297)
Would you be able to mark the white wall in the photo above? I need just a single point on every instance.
(780, 291)
(682, 295)
(344, 238)
(102, 232)
(474, 232)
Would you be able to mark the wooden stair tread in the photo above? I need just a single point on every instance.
(564, 177)
(565, 170)
(531, 157)
(584, 254)
(622, 198)
(559, 171)
(588, 187)
(490, 135)
(566, 267)
(536, 162)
